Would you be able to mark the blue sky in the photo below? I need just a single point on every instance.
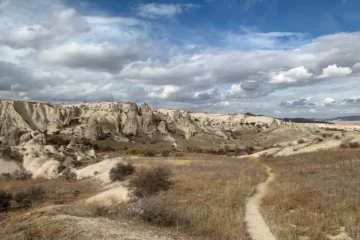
(272, 57)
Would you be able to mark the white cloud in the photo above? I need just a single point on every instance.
(155, 10)
(291, 76)
(225, 103)
(100, 57)
(113, 20)
(333, 71)
(313, 110)
(166, 92)
(248, 38)
(329, 101)
(60, 25)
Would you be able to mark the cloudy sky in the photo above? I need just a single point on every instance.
(298, 58)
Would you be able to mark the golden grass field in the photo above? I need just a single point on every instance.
(314, 195)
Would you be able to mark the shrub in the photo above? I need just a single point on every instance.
(152, 210)
(29, 196)
(19, 175)
(5, 199)
(354, 145)
(301, 141)
(120, 171)
(249, 150)
(344, 145)
(152, 181)
(101, 211)
(149, 153)
(165, 153)
(135, 151)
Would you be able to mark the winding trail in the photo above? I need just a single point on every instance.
(255, 223)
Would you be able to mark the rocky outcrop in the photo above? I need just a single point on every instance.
(93, 130)
(13, 136)
(162, 127)
(147, 119)
(127, 119)
(130, 120)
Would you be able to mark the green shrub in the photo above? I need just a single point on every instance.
(135, 151)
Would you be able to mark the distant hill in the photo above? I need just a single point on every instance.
(345, 118)
(304, 120)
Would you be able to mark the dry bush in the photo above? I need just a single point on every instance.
(19, 175)
(300, 141)
(152, 181)
(314, 194)
(120, 171)
(29, 196)
(68, 175)
(5, 203)
(249, 150)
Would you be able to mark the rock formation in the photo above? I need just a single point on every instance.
(93, 130)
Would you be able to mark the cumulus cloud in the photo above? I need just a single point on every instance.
(59, 55)
(333, 71)
(291, 76)
(59, 26)
(155, 10)
(100, 57)
(165, 93)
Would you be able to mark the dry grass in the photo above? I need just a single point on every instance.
(314, 194)
(208, 197)
(56, 192)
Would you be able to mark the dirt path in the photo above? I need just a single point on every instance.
(255, 223)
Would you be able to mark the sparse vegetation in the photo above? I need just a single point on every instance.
(347, 144)
(29, 196)
(5, 199)
(135, 151)
(249, 150)
(120, 171)
(152, 181)
(301, 141)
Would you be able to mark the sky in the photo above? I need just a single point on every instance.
(282, 58)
